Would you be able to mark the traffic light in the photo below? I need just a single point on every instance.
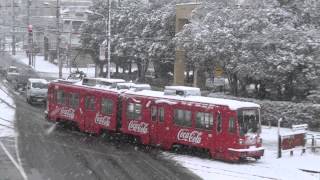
(30, 30)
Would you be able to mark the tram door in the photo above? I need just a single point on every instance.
(231, 131)
(219, 133)
(89, 112)
(157, 124)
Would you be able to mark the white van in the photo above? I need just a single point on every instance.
(37, 90)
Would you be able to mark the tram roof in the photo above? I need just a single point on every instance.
(232, 104)
(96, 87)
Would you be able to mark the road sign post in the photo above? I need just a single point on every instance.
(102, 53)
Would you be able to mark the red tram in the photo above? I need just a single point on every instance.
(228, 129)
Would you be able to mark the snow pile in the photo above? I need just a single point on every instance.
(7, 114)
(269, 167)
(292, 113)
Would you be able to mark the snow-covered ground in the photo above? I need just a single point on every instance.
(269, 167)
(49, 69)
(7, 113)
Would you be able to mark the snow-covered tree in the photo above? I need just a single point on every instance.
(140, 33)
(264, 44)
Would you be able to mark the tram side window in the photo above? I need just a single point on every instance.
(55, 95)
(89, 103)
(134, 111)
(74, 100)
(204, 120)
(154, 113)
(67, 97)
(182, 117)
(60, 97)
(219, 123)
(106, 106)
(161, 114)
(232, 127)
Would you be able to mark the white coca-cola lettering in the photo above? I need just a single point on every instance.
(140, 127)
(189, 136)
(66, 112)
(55, 112)
(103, 120)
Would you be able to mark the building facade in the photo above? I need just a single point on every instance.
(183, 14)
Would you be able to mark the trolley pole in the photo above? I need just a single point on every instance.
(58, 39)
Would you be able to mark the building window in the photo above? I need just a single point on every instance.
(89, 103)
(134, 111)
(219, 123)
(106, 106)
(232, 127)
(74, 100)
(60, 97)
(204, 120)
(182, 117)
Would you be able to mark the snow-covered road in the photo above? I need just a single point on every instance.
(269, 167)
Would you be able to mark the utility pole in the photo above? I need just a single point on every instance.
(13, 29)
(29, 34)
(58, 39)
(109, 38)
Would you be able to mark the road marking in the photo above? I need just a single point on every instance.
(20, 169)
(17, 152)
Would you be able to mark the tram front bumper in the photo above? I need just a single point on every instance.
(249, 152)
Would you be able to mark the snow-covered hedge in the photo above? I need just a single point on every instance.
(292, 113)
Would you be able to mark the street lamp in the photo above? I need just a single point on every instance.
(108, 34)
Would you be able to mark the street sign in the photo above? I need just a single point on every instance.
(218, 71)
(218, 81)
(209, 82)
(102, 53)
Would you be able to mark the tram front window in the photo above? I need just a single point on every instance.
(248, 121)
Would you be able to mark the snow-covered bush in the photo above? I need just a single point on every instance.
(292, 113)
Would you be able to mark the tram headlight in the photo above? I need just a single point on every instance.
(241, 141)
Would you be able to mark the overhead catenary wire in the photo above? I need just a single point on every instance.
(6, 120)
(6, 126)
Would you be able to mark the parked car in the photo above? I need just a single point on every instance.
(37, 90)
(2, 71)
(12, 73)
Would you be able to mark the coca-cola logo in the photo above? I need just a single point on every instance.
(55, 112)
(139, 127)
(103, 120)
(189, 136)
(66, 112)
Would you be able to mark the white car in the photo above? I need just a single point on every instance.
(37, 90)
(12, 73)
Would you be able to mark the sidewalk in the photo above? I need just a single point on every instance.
(10, 164)
(47, 69)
